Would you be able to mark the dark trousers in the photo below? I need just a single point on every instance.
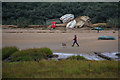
(74, 43)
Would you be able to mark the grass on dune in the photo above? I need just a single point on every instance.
(24, 66)
(25, 55)
(31, 54)
(60, 69)
(78, 57)
(8, 51)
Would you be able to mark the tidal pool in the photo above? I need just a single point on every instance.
(88, 56)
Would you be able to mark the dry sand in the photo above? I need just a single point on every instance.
(88, 41)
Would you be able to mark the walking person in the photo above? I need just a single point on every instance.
(98, 30)
(75, 41)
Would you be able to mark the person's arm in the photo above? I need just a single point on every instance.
(74, 38)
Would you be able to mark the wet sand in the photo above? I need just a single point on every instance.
(88, 41)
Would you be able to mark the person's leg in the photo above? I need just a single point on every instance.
(77, 43)
(98, 30)
(73, 43)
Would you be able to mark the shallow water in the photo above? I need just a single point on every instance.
(92, 57)
(112, 55)
(87, 56)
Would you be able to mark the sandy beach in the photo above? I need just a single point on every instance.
(88, 41)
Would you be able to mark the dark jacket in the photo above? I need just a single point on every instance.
(75, 38)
